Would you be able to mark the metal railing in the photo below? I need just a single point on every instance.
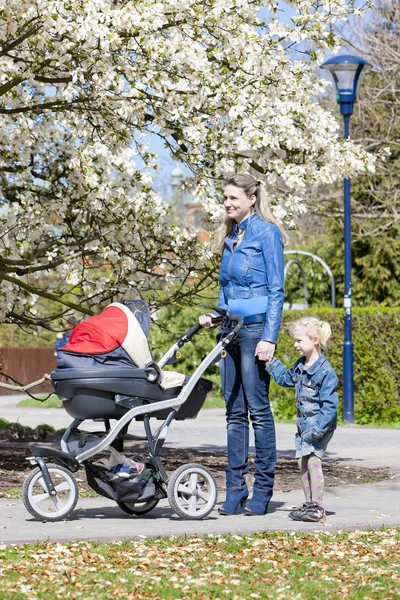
(305, 288)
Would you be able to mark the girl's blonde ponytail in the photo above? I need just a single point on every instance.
(325, 333)
(314, 328)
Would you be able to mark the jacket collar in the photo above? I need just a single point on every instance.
(314, 367)
(243, 224)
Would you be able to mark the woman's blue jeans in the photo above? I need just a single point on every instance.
(245, 384)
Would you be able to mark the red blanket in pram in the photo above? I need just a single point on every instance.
(114, 338)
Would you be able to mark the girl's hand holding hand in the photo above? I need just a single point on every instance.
(265, 351)
(206, 320)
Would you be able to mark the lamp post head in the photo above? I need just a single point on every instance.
(346, 70)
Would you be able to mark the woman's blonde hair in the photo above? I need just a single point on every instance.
(314, 328)
(251, 187)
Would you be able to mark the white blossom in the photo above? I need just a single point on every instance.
(82, 84)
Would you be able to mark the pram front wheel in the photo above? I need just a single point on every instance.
(38, 501)
(192, 492)
(138, 508)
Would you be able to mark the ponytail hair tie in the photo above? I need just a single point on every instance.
(321, 323)
(258, 183)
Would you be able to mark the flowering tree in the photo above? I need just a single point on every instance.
(376, 200)
(81, 84)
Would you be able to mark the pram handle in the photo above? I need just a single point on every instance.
(171, 355)
(224, 315)
(188, 334)
(221, 312)
(193, 330)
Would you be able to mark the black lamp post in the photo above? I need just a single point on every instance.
(346, 70)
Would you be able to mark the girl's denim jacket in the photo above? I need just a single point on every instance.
(316, 397)
(255, 269)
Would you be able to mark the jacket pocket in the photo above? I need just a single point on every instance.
(309, 389)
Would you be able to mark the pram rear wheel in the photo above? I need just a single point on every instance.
(138, 508)
(40, 504)
(192, 492)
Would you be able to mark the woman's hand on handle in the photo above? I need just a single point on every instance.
(206, 320)
(265, 351)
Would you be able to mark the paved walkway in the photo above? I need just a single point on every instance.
(348, 507)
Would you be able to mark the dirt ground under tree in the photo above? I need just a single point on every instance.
(14, 467)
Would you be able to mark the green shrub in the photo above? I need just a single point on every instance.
(15, 336)
(376, 336)
(171, 323)
(45, 427)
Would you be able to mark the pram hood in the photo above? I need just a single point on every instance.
(116, 327)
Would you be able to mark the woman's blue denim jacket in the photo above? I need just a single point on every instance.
(316, 397)
(255, 269)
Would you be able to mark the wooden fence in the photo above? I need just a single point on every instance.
(26, 365)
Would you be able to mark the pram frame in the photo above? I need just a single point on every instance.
(174, 403)
(154, 440)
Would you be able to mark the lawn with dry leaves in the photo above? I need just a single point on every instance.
(358, 565)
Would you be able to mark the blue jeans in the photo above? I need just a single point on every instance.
(245, 385)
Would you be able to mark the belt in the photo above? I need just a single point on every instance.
(254, 319)
(260, 318)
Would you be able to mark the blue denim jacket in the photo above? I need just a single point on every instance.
(316, 397)
(254, 270)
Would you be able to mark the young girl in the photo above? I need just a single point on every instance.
(316, 401)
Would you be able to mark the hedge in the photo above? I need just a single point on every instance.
(376, 336)
(171, 323)
(13, 336)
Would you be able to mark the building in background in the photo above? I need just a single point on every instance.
(185, 209)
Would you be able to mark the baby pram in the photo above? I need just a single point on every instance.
(93, 386)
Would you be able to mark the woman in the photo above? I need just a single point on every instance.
(251, 286)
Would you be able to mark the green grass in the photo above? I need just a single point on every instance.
(277, 566)
(88, 494)
(52, 402)
(13, 493)
(214, 401)
(16, 493)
